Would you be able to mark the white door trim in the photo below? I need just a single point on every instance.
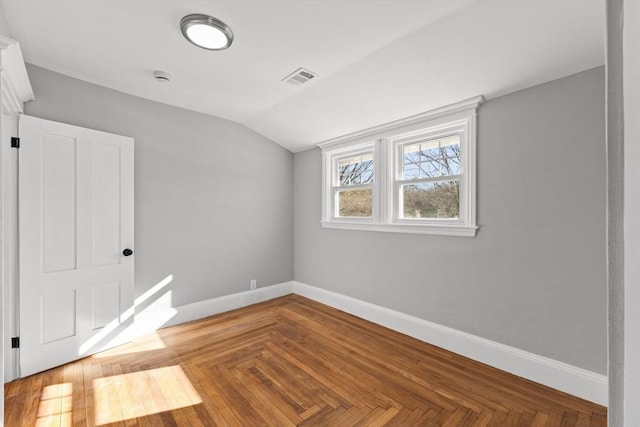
(15, 89)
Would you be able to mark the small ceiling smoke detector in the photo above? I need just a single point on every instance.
(161, 76)
(300, 76)
(206, 31)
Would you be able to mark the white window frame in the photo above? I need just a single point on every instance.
(386, 143)
(336, 187)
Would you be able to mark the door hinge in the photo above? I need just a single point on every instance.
(15, 342)
(15, 142)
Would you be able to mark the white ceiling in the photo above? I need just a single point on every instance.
(377, 60)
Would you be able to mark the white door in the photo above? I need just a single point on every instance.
(76, 229)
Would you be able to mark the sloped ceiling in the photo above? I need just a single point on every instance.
(377, 60)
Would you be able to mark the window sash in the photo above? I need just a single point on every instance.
(357, 168)
(335, 168)
(337, 186)
(426, 140)
(351, 187)
(456, 177)
(336, 205)
(398, 197)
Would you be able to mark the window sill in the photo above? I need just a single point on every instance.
(438, 230)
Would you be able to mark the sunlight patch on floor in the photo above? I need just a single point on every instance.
(56, 403)
(128, 396)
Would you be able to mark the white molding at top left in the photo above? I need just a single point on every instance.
(16, 87)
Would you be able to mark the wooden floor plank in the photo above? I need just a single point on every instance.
(288, 361)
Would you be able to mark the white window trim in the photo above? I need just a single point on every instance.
(334, 187)
(459, 127)
(385, 141)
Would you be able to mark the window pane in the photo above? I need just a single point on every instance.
(452, 150)
(355, 203)
(356, 170)
(429, 154)
(439, 199)
(450, 166)
(429, 169)
(411, 171)
(430, 159)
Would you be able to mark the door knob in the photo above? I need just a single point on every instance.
(127, 252)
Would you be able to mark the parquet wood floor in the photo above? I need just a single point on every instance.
(289, 361)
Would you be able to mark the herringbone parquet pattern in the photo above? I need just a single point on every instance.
(286, 362)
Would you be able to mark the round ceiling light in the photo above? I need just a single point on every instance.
(206, 32)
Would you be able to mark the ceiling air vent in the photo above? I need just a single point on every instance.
(299, 76)
(162, 76)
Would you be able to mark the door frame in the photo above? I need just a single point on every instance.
(15, 90)
(10, 252)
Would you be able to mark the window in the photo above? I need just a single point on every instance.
(353, 190)
(415, 175)
(428, 171)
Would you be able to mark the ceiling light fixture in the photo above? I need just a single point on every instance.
(206, 32)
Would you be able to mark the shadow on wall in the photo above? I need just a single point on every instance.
(149, 312)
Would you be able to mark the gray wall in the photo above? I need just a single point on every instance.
(213, 199)
(4, 26)
(535, 275)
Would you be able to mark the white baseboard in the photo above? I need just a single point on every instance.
(552, 373)
(561, 376)
(151, 320)
(200, 309)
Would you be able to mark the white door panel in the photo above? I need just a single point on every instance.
(76, 218)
